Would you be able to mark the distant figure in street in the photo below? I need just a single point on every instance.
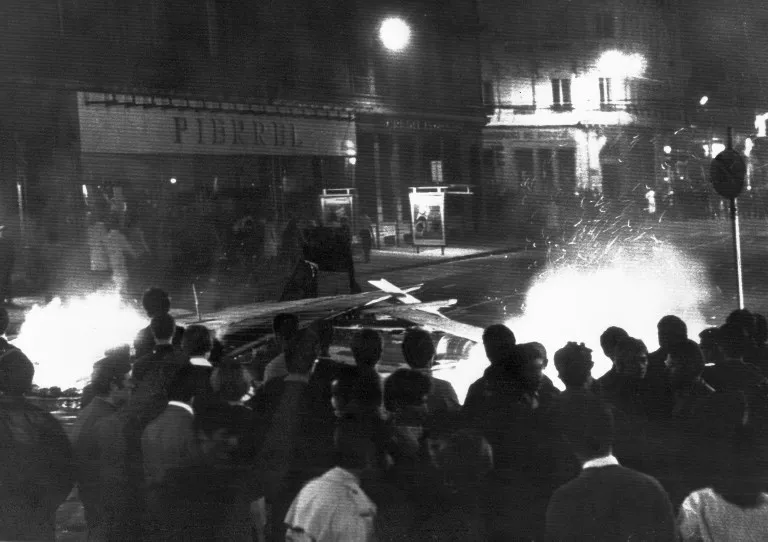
(606, 501)
(97, 245)
(117, 249)
(7, 261)
(366, 237)
(36, 471)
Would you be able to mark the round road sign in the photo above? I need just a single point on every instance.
(727, 172)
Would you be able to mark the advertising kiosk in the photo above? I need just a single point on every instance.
(337, 204)
(428, 213)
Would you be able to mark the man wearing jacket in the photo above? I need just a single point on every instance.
(36, 471)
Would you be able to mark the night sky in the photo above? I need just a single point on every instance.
(727, 45)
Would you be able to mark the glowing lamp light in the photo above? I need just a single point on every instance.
(760, 121)
(748, 146)
(85, 192)
(667, 149)
(717, 148)
(395, 34)
(173, 180)
(616, 63)
(704, 100)
(352, 160)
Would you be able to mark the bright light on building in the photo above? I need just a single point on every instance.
(760, 121)
(85, 192)
(667, 149)
(618, 64)
(748, 146)
(173, 180)
(704, 100)
(395, 34)
(352, 161)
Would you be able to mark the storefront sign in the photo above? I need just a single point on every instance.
(532, 134)
(154, 130)
(421, 125)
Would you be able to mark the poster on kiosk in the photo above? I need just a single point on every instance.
(337, 206)
(428, 216)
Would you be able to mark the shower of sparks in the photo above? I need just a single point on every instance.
(65, 338)
(612, 272)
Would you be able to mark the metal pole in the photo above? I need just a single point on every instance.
(737, 250)
(197, 303)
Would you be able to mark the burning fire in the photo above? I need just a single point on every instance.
(65, 338)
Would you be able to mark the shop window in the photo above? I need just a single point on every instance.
(561, 93)
(605, 91)
(604, 25)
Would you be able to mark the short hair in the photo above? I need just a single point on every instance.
(574, 364)
(351, 385)
(534, 350)
(689, 354)
(16, 373)
(184, 384)
(229, 382)
(405, 387)
(630, 344)
(162, 326)
(733, 340)
(743, 318)
(155, 302)
(367, 347)
(110, 369)
(286, 325)
(672, 329)
(610, 337)
(5, 320)
(498, 341)
(197, 340)
(418, 348)
(587, 423)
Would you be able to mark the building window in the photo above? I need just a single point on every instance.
(605, 90)
(561, 92)
(604, 25)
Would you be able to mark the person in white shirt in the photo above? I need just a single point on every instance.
(333, 507)
(735, 506)
(117, 247)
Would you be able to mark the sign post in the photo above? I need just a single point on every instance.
(727, 172)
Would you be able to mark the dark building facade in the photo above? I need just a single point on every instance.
(177, 106)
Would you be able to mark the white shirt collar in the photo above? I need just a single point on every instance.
(200, 361)
(605, 461)
(185, 406)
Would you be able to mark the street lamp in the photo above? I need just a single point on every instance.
(703, 101)
(395, 34)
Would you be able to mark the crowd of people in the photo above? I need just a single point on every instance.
(175, 442)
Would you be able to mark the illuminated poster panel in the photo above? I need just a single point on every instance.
(428, 218)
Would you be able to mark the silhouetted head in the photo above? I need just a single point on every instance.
(574, 365)
(609, 339)
(498, 341)
(366, 348)
(155, 302)
(418, 348)
(631, 358)
(685, 363)
(671, 330)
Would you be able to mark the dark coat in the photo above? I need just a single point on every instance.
(36, 470)
(611, 503)
(144, 343)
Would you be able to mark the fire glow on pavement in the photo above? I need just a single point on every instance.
(65, 338)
